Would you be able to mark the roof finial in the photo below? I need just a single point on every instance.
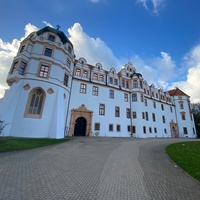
(58, 26)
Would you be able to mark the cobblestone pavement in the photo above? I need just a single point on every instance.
(97, 169)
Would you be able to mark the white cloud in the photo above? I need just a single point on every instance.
(152, 6)
(93, 50)
(191, 86)
(95, 1)
(47, 23)
(7, 52)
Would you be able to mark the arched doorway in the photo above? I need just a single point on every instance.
(80, 127)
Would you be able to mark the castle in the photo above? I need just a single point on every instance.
(53, 95)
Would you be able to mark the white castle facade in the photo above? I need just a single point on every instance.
(53, 95)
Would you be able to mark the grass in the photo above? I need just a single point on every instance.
(15, 144)
(187, 156)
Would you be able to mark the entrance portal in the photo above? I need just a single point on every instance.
(80, 127)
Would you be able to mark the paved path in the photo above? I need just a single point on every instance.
(96, 169)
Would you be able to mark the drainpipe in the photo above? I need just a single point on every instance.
(131, 115)
(176, 115)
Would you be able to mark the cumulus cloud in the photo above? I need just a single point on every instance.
(191, 86)
(152, 6)
(47, 23)
(93, 50)
(7, 52)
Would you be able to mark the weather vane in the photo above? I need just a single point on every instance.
(58, 26)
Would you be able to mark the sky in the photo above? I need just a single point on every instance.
(160, 37)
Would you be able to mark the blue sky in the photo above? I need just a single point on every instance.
(160, 37)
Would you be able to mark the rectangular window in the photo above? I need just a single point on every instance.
(125, 97)
(110, 127)
(117, 111)
(115, 82)
(155, 130)
(134, 115)
(123, 85)
(171, 109)
(142, 98)
(85, 74)
(95, 91)
(51, 38)
(147, 117)
(163, 118)
(144, 129)
(22, 48)
(145, 102)
(150, 130)
(129, 128)
(69, 49)
(128, 114)
(181, 106)
(127, 85)
(111, 80)
(134, 97)
(22, 68)
(111, 94)
(78, 72)
(97, 126)
(95, 76)
(66, 79)
(185, 130)
(162, 107)
(15, 66)
(133, 129)
(68, 63)
(183, 116)
(101, 78)
(118, 128)
(135, 84)
(102, 109)
(153, 117)
(83, 88)
(143, 115)
(48, 52)
(44, 69)
(165, 131)
(154, 104)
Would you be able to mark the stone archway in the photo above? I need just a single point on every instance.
(80, 127)
(174, 129)
(77, 115)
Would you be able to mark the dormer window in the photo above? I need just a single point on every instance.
(22, 48)
(51, 38)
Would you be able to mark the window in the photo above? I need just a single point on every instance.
(152, 94)
(44, 70)
(129, 128)
(69, 49)
(68, 62)
(185, 130)
(127, 85)
(153, 117)
(134, 115)
(134, 97)
(171, 109)
(142, 97)
(101, 78)
(97, 126)
(141, 86)
(101, 109)
(144, 129)
(133, 129)
(145, 102)
(154, 104)
(125, 97)
(111, 94)
(22, 68)
(48, 52)
(83, 88)
(118, 128)
(183, 116)
(162, 106)
(143, 115)
(78, 72)
(22, 48)
(165, 131)
(85, 74)
(181, 106)
(35, 103)
(115, 82)
(163, 118)
(95, 91)
(15, 66)
(51, 38)
(111, 80)
(123, 84)
(150, 130)
(128, 114)
(147, 117)
(110, 127)
(117, 111)
(155, 130)
(135, 84)
(95, 76)
(66, 79)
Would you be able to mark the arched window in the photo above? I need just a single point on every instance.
(35, 103)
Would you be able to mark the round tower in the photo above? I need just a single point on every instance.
(40, 84)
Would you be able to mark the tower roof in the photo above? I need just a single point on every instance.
(62, 36)
(177, 92)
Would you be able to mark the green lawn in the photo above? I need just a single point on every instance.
(187, 156)
(15, 144)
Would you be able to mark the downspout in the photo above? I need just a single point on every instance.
(176, 115)
(69, 102)
(131, 116)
